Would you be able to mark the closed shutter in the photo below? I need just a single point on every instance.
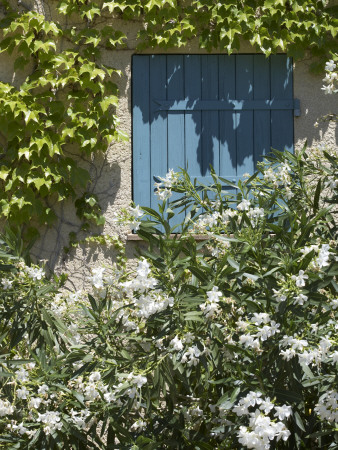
(193, 111)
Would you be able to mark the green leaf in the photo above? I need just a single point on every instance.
(299, 421)
(233, 263)
(20, 63)
(200, 274)
(112, 100)
(30, 115)
(151, 212)
(4, 172)
(194, 316)
(316, 196)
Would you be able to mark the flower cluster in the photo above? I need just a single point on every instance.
(135, 213)
(210, 308)
(129, 216)
(6, 283)
(35, 273)
(51, 421)
(309, 354)
(163, 188)
(6, 409)
(66, 304)
(262, 429)
(191, 355)
(331, 78)
(142, 281)
(280, 177)
(208, 221)
(260, 327)
(92, 388)
(327, 407)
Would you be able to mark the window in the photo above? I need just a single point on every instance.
(195, 110)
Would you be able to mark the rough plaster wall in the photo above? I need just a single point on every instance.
(111, 174)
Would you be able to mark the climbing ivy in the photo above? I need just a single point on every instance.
(65, 108)
(66, 102)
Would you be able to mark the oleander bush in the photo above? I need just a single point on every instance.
(229, 342)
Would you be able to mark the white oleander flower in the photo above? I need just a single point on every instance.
(261, 429)
(79, 418)
(97, 277)
(143, 268)
(188, 337)
(334, 303)
(6, 409)
(249, 341)
(327, 406)
(329, 89)
(288, 193)
(176, 344)
(30, 366)
(109, 397)
(300, 299)
(299, 344)
(34, 402)
(323, 256)
(279, 296)
(21, 429)
(244, 205)
(139, 425)
(6, 283)
(214, 295)
(334, 357)
(22, 393)
(90, 392)
(94, 376)
(268, 330)
(51, 420)
(325, 344)
(135, 212)
(242, 325)
(288, 353)
(163, 189)
(36, 273)
(300, 278)
(330, 66)
(259, 318)
(191, 356)
(283, 412)
(266, 406)
(43, 389)
(139, 380)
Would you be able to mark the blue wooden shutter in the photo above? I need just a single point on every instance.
(191, 111)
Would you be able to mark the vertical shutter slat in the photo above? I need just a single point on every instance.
(142, 192)
(210, 128)
(262, 119)
(281, 87)
(193, 125)
(175, 77)
(244, 125)
(158, 120)
(227, 130)
(176, 145)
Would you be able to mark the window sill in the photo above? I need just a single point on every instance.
(197, 237)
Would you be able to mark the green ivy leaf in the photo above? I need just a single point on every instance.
(111, 100)
(30, 115)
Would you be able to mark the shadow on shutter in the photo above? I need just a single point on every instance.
(191, 111)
